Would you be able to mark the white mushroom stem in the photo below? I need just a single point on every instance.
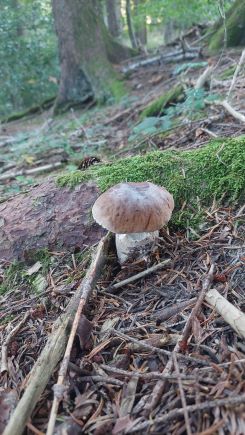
(126, 244)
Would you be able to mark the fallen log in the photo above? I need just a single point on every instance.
(50, 217)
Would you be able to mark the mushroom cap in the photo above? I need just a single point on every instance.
(133, 208)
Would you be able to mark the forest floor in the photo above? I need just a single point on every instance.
(146, 358)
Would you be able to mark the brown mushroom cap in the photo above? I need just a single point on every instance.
(133, 208)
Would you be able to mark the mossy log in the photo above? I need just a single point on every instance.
(235, 28)
(57, 214)
(156, 108)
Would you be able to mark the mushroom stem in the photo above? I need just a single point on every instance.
(131, 243)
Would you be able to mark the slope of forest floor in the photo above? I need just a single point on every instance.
(127, 372)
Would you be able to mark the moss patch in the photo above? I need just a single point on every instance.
(174, 95)
(196, 177)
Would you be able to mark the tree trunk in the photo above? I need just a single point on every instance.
(140, 24)
(235, 25)
(113, 10)
(48, 217)
(130, 25)
(85, 69)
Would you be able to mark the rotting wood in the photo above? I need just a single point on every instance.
(56, 344)
(234, 317)
(175, 56)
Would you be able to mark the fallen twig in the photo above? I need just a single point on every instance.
(241, 60)
(33, 171)
(139, 275)
(230, 314)
(182, 396)
(204, 77)
(55, 346)
(4, 358)
(147, 346)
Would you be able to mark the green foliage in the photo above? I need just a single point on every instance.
(28, 52)
(196, 177)
(183, 12)
(191, 107)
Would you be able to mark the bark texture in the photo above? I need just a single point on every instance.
(140, 26)
(235, 26)
(113, 11)
(85, 69)
(48, 217)
(131, 31)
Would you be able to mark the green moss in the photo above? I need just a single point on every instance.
(156, 108)
(196, 177)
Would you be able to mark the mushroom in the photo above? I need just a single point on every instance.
(134, 212)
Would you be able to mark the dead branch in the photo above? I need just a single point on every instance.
(168, 312)
(234, 317)
(143, 344)
(33, 171)
(55, 346)
(139, 275)
(59, 388)
(238, 67)
(233, 112)
(204, 77)
(4, 359)
(182, 396)
(175, 56)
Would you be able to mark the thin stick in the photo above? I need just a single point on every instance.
(232, 315)
(32, 171)
(206, 285)
(4, 359)
(182, 396)
(139, 275)
(55, 346)
(233, 112)
(147, 346)
(59, 387)
(238, 67)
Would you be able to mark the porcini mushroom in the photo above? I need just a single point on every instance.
(135, 212)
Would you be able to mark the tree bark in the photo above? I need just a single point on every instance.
(113, 10)
(140, 25)
(131, 31)
(85, 69)
(48, 217)
(235, 27)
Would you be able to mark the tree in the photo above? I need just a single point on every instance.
(84, 43)
(140, 22)
(235, 28)
(113, 11)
